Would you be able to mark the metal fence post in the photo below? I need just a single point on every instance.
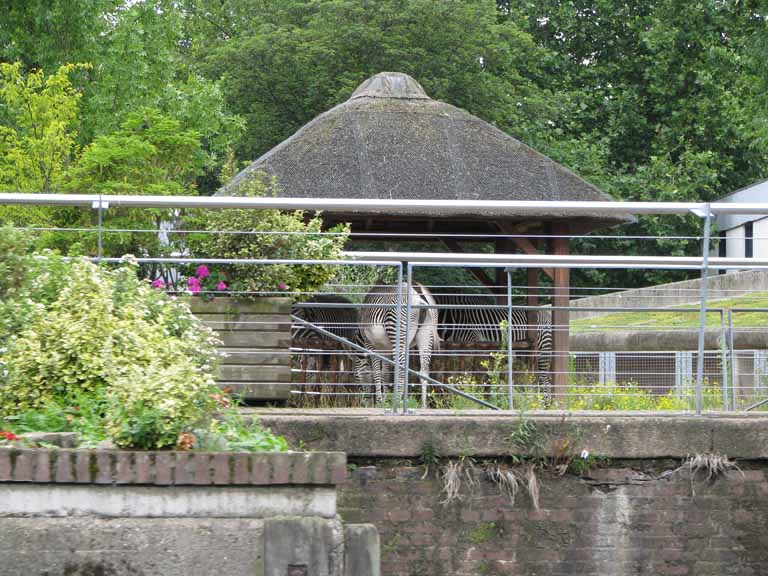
(99, 205)
(510, 373)
(703, 314)
(406, 360)
(723, 361)
(732, 356)
(398, 332)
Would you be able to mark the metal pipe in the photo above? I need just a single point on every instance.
(398, 333)
(477, 260)
(510, 375)
(428, 259)
(101, 229)
(703, 312)
(407, 340)
(732, 358)
(723, 362)
(353, 205)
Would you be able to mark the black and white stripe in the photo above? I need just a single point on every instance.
(477, 321)
(378, 330)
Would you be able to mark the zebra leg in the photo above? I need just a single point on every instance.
(544, 376)
(362, 370)
(426, 341)
(376, 369)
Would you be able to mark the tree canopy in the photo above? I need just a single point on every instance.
(648, 99)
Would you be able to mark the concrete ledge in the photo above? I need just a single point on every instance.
(364, 434)
(55, 500)
(609, 340)
(170, 468)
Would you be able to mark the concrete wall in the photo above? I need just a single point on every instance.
(634, 513)
(109, 513)
(676, 293)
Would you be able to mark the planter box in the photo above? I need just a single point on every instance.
(257, 340)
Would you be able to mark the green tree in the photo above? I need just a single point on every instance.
(281, 66)
(38, 141)
(151, 154)
(140, 59)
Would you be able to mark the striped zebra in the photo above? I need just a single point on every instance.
(378, 331)
(482, 325)
(338, 320)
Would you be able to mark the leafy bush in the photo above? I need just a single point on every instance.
(290, 237)
(151, 406)
(97, 351)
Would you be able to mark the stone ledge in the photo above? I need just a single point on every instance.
(171, 468)
(369, 434)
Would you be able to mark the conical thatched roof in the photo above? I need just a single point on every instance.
(390, 140)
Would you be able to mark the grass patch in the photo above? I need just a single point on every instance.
(674, 319)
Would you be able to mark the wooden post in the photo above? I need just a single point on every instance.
(560, 318)
(532, 299)
(503, 246)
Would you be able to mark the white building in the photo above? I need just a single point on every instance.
(744, 236)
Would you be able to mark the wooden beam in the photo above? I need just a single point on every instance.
(532, 299)
(524, 244)
(528, 248)
(560, 317)
(478, 273)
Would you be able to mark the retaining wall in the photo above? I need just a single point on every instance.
(109, 513)
(633, 511)
(719, 286)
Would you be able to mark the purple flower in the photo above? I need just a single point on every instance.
(202, 271)
(282, 286)
(193, 284)
(159, 283)
(221, 286)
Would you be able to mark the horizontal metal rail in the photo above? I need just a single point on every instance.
(475, 260)
(351, 205)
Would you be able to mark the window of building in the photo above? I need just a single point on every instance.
(748, 240)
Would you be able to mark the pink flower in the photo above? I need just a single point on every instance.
(159, 283)
(193, 284)
(202, 271)
(221, 286)
(282, 286)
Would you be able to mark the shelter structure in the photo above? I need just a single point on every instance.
(390, 140)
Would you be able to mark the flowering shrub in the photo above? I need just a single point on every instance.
(106, 331)
(289, 237)
(152, 406)
(205, 283)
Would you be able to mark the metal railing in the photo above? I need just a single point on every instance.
(492, 379)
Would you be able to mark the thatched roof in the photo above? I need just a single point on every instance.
(390, 140)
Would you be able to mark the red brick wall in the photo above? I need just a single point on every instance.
(635, 518)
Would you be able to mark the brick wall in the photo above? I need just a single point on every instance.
(633, 517)
(170, 468)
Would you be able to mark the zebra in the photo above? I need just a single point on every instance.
(476, 323)
(341, 321)
(378, 331)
